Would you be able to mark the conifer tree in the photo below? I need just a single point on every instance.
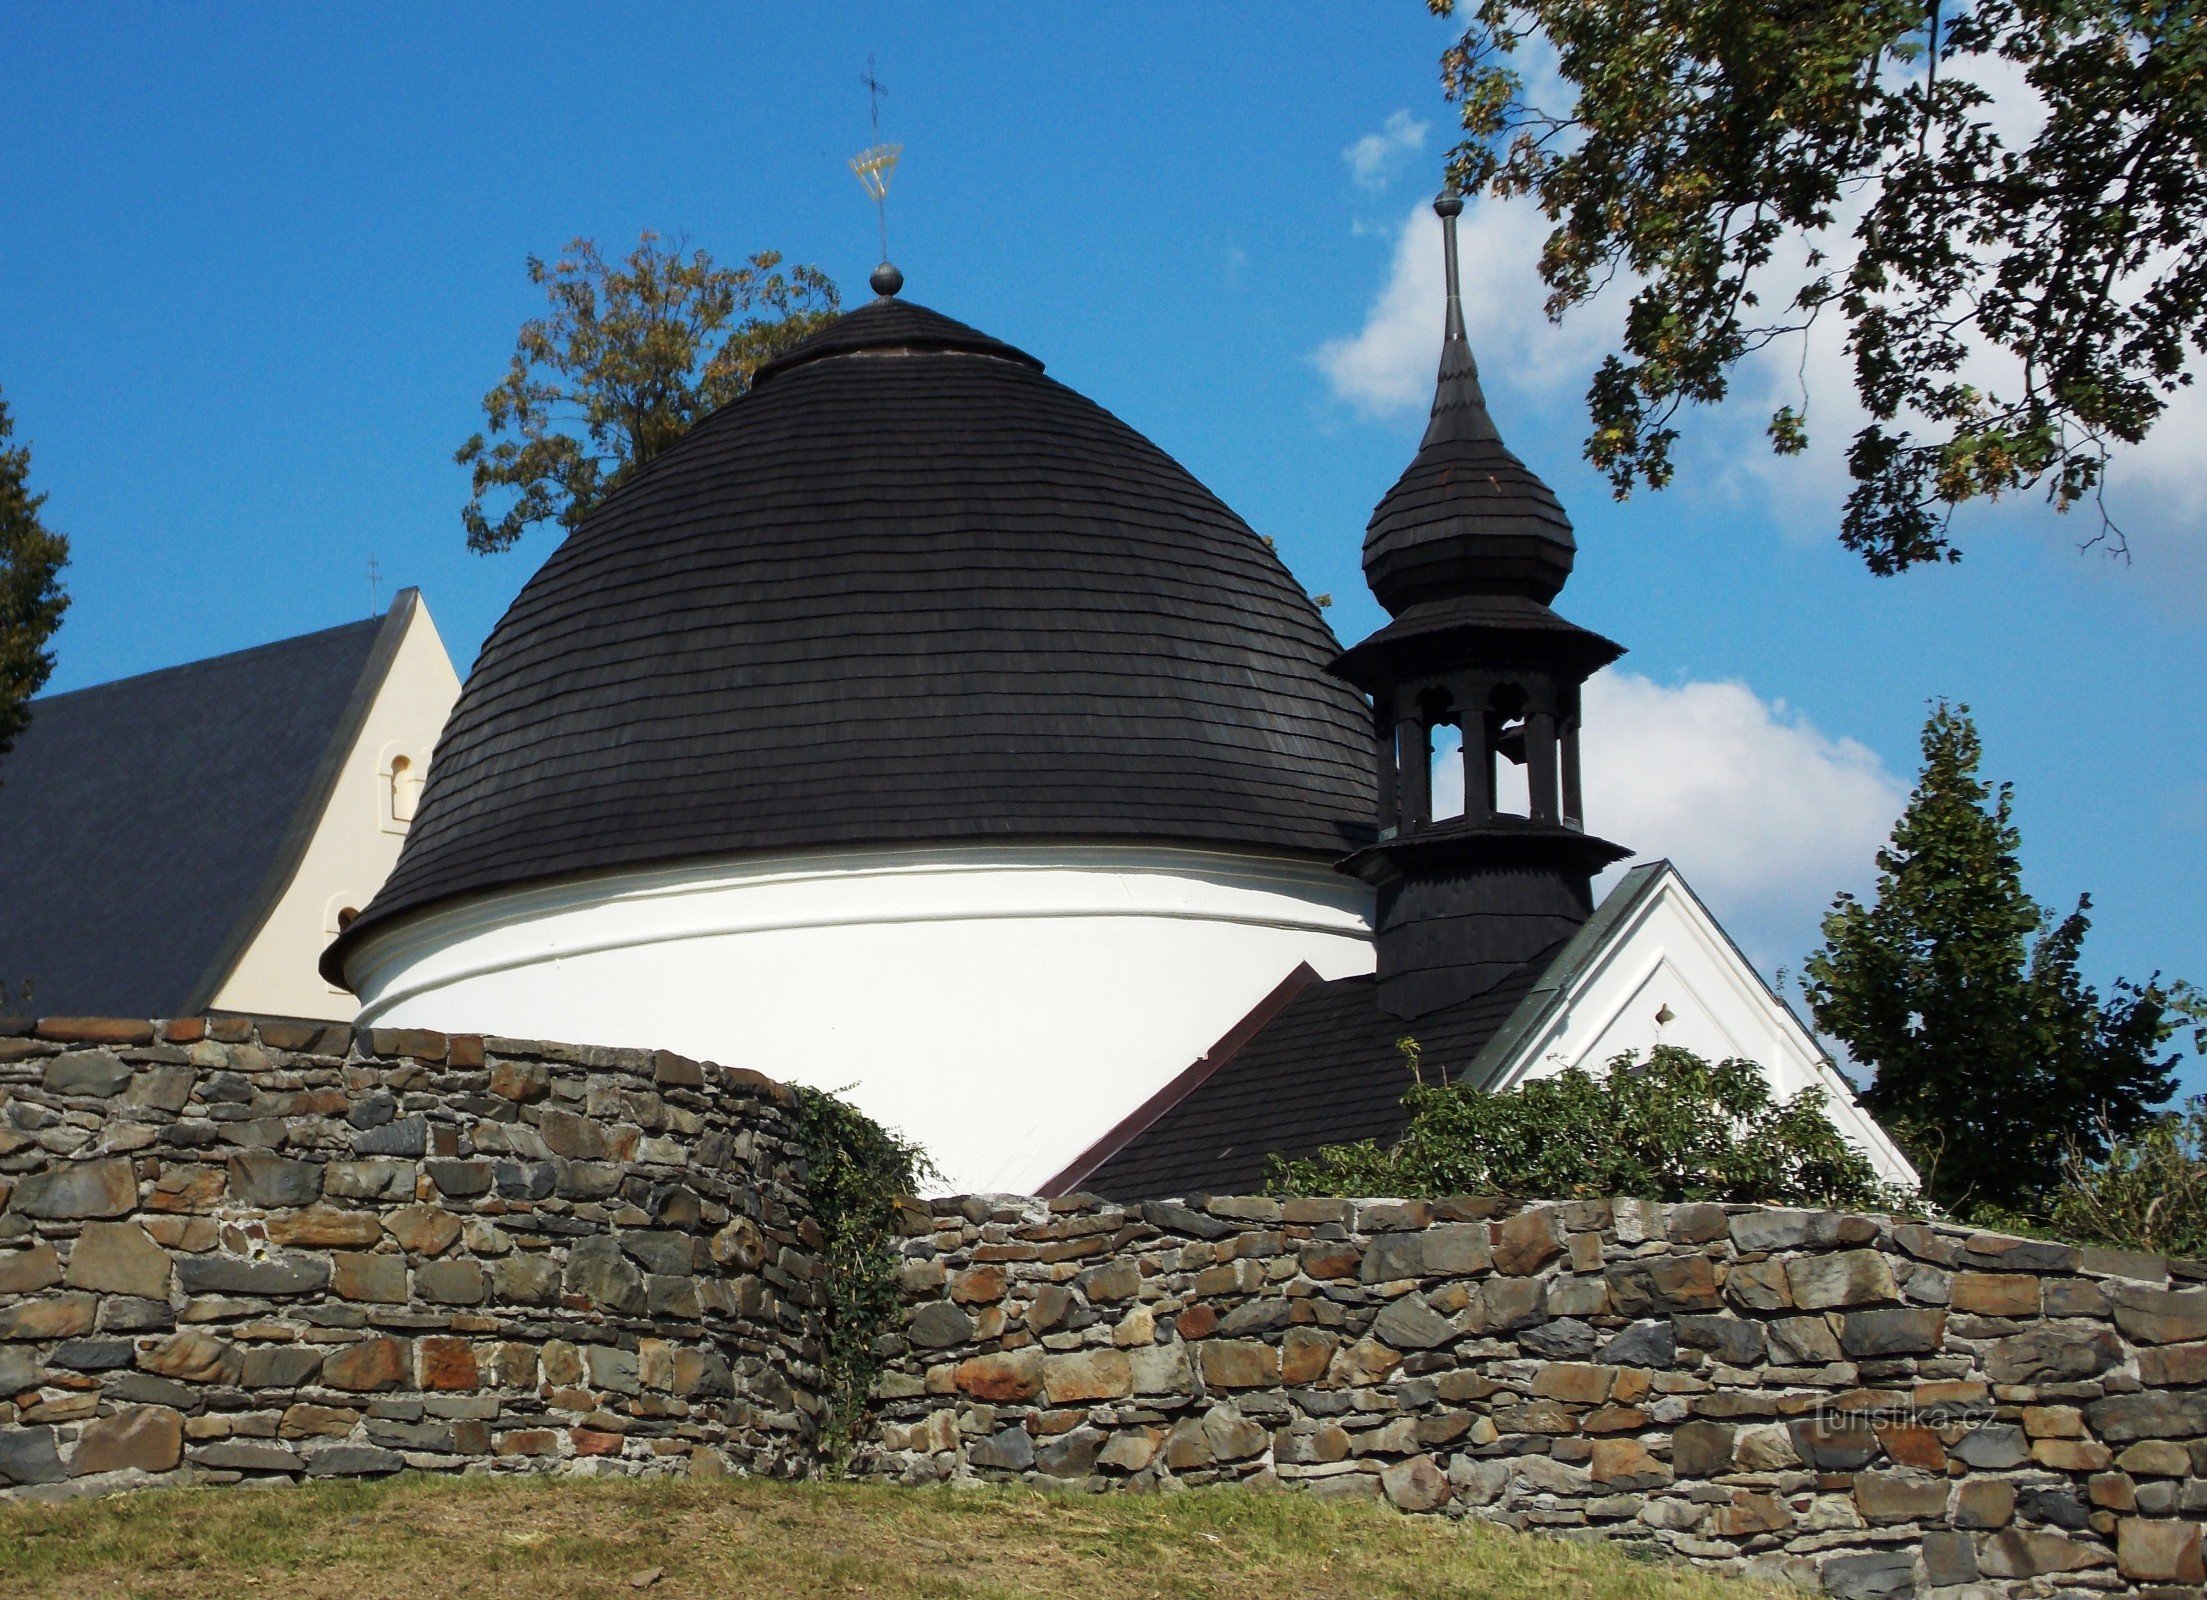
(1994, 1059)
(31, 598)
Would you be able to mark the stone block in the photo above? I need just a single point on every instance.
(119, 1258)
(1626, 1464)
(1232, 1436)
(938, 1325)
(1899, 1497)
(29, 1456)
(615, 1370)
(191, 1357)
(29, 1270)
(1702, 1449)
(2156, 1458)
(1873, 1575)
(325, 1228)
(1011, 1450)
(1528, 1241)
(524, 1082)
(1758, 1286)
(1665, 1284)
(71, 1190)
(1071, 1455)
(371, 1366)
(1645, 1344)
(2020, 1553)
(266, 1180)
(458, 1282)
(1415, 1485)
(248, 1455)
(1949, 1559)
(1007, 1378)
(1110, 1283)
(137, 1438)
(1834, 1443)
(1845, 1278)
(457, 1179)
(92, 1355)
(1735, 1341)
(351, 1461)
(96, 1074)
(2159, 1552)
(308, 1421)
(60, 1316)
(424, 1230)
(281, 1366)
(1409, 1323)
(375, 1279)
(1131, 1449)
(1238, 1363)
(1996, 1294)
(403, 1136)
(982, 1285)
(2126, 1418)
(1992, 1447)
(273, 1277)
(1748, 1513)
(2159, 1316)
(1984, 1503)
(1574, 1382)
(1162, 1369)
(525, 1278)
(2052, 1354)
(447, 1364)
(1082, 1376)
(368, 1180)
(1910, 1330)
(598, 1271)
(1700, 1222)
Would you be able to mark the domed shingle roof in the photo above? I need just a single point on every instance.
(907, 590)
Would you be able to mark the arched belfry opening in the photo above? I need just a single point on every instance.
(1466, 552)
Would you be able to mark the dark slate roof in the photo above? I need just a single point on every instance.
(908, 589)
(148, 826)
(1324, 1071)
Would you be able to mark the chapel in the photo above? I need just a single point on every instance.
(917, 730)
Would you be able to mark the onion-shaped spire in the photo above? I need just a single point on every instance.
(1467, 517)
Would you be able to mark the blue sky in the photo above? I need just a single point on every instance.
(262, 263)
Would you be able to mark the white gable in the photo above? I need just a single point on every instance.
(1654, 967)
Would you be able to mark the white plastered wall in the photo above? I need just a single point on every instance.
(1003, 1006)
(355, 842)
(1669, 955)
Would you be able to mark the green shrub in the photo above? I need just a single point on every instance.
(2149, 1192)
(856, 1172)
(1673, 1128)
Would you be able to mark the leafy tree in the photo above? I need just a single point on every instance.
(1994, 1058)
(1674, 1128)
(1751, 168)
(631, 355)
(31, 597)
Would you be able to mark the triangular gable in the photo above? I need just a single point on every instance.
(1653, 966)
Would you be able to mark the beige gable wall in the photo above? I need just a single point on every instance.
(357, 840)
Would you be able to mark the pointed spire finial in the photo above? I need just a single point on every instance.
(1459, 405)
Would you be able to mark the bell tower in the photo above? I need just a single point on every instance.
(1465, 552)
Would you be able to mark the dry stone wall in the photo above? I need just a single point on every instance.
(232, 1251)
(1872, 1406)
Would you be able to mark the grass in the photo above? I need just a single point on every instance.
(554, 1539)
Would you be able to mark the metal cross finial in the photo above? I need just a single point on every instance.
(874, 165)
(375, 588)
(875, 89)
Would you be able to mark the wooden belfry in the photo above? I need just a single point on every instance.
(1465, 552)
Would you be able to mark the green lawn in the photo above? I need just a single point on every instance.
(550, 1539)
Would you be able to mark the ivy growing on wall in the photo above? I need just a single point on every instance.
(857, 1172)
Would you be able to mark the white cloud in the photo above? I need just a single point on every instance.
(1376, 158)
(1766, 815)
(1387, 367)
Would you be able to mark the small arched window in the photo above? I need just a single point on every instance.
(401, 797)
